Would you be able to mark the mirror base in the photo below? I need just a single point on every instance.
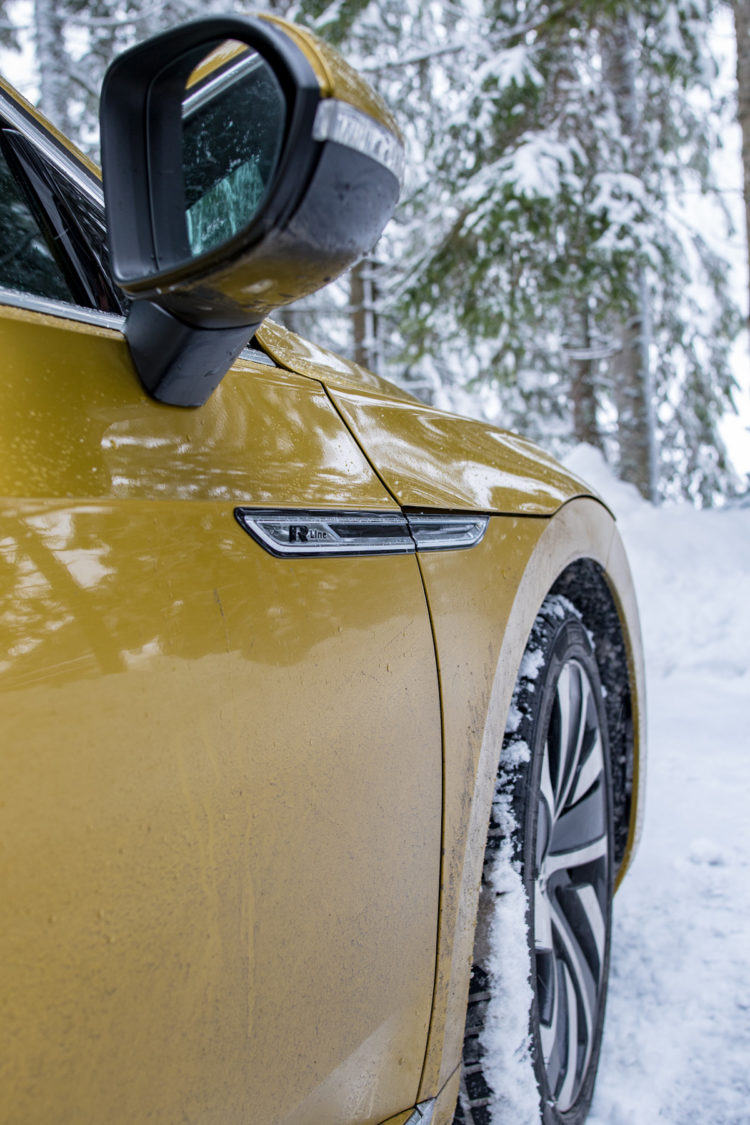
(176, 364)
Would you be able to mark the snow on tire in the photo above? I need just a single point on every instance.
(541, 951)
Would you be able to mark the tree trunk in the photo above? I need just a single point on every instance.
(52, 64)
(634, 432)
(636, 428)
(583, 388)
(364, 317)
(742, 28)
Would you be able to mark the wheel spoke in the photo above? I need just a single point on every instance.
(546, 793)
(592, 912)
(585, 981)
(550, 1030)
(546, 967)
(591, 770)
(546, 971)
(565, 1096)
(575, 857)
(559, 736)
(542, 919)
(583, 978)
(580, 825)
(581, 733)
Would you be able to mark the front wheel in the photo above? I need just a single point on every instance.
(550, 845)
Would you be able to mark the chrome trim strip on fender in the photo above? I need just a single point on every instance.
(446, 532)
(306, 534)
(297, 533)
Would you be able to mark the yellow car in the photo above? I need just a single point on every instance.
(322, 710)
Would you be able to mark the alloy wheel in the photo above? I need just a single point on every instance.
(571, 885)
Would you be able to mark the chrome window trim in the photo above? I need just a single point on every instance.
(224, 79)
(306, 533)
(50, 307)
(67, 311)
(17, 119)
(255, 355)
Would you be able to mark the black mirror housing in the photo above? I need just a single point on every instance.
(328, 188)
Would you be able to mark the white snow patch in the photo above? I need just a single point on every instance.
(514, 719)
(532, 663)
(539, 164)
(508, 1064)
(514, 64)
(516, 753)
(677, 1038)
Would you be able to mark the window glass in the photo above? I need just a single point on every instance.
(26, 262)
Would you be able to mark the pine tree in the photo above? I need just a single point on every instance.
(542, 258)
(553, 253)
(8, 27)
(742, 28)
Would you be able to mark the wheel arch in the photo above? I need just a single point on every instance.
(584, 583)
(483, 604)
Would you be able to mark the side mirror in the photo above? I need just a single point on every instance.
(245, 165)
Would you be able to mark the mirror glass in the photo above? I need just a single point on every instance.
(233, 120)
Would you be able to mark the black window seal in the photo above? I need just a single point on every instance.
(56, 202)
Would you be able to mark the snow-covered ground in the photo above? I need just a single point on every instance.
(677, 1042)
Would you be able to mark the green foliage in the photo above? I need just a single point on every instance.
(334, 21)
(557, 150)
(558, 189)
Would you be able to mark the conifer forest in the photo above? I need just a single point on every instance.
(550, 265)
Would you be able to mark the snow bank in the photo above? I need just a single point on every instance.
(677, 1043)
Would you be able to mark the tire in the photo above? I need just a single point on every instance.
(531, 1049)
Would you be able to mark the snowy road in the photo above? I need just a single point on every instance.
(677, 1043)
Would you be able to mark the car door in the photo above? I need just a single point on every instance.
(221, 801)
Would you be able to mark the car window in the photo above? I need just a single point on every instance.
(26, 262)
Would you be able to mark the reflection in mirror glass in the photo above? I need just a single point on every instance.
(233, 118)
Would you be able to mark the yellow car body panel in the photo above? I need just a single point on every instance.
(426, 457)
(334, 371)
(336, 78)
(429, 459)
(240, 877)
(76, 422)
(221, 775)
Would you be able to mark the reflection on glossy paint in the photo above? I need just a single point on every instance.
(269, 440)
(84, 561)
(75, 422)
(308, 358)
(222, 776)
(96, 587)
(48, 568)
(430, 459)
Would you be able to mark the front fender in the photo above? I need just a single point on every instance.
(426, 457)
(483, 603)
